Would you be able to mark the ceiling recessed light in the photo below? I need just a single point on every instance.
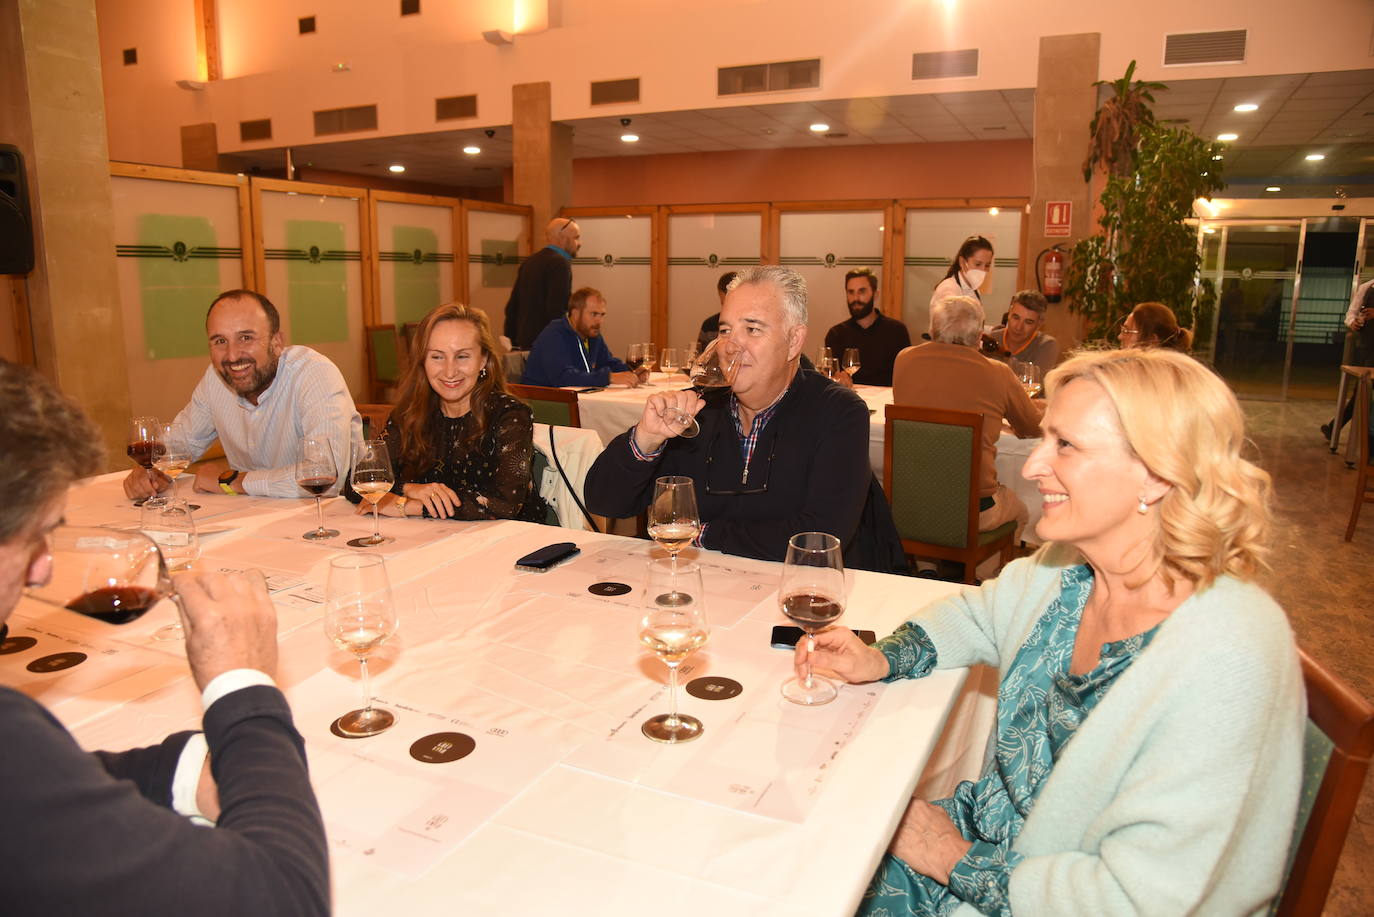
(1227, 138)
(1315, 157)
(396, 167)
(993, 211)
(1246, 106)
(1209, 229)
(472, 150)
(629, 138)
(1273, 188)
(820, 127)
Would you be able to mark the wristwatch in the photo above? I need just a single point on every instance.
(401, 501)
(226, 482)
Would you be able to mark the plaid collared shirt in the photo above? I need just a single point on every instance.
(748, 442)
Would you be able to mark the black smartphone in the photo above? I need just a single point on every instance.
(589, 391)
(547, 557)
(785, 637)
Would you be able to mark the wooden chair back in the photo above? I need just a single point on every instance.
(556, 407)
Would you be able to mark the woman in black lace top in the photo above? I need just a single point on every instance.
(460, 444)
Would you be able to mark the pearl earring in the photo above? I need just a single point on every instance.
(1143, 508)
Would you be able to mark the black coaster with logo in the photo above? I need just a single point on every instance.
(714, 687)
(442, 747)
(16, 645)
(56, 662)
(608, 589)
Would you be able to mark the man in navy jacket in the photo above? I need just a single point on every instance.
(571, 351)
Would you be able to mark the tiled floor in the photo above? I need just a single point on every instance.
(1324, 584)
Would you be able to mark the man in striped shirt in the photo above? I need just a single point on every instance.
(260, 398)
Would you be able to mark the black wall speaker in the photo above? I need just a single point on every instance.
(16, 226)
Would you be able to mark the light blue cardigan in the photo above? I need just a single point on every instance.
(1178, 794)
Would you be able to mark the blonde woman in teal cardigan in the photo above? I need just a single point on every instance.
(1148, 750)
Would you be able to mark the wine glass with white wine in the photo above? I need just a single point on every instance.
(673, 632)
(372, 479)
(852, 361)
(175, 455)
(674, 522)
(359, 617)
(812, 596)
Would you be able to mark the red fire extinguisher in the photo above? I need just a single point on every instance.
(1051, 280)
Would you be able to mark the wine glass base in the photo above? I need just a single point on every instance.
(821, 691)
(673, 599)
(672, 730)
(170, 632)
(321, 534)
(360, 723)
(369, 541)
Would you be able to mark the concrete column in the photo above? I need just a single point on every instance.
(200, 147)
(1065, 100)
(53, 109)
(542, 155)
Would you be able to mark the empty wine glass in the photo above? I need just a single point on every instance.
(106, 574)
(674, 522)
(172, 527)
(717, 365)
(145, 441)
(359, 617)
(826, 363)
(315, 473)
(851, 362)
(673, 632)
(811, 594)
(372, 479)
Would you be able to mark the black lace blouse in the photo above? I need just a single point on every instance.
(492, 481)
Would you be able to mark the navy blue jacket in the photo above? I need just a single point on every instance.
(558, 358)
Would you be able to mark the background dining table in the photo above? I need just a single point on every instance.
(515, 780)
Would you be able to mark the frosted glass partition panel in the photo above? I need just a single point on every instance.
(414, 260)
(312, 249)
(615, 260)
(822, 247)
(933, 238)
(701, 247)
(178, 246)
(496, 245)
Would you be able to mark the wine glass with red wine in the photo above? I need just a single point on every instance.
(812, 596)
(145, 442)
(106, 574)
(315, 473)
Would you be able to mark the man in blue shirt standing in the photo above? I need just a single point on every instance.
(542, 286)
(571, 351)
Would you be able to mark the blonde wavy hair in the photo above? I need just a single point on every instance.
(1187, 428)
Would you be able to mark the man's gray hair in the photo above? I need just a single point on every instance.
(957, 320)
(790, 285)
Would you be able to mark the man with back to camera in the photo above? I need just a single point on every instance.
(571, 350)
(111, 833)
(260, 398)
(780, 452)
(1022, 338)
(878, 338)
(948, 373)
(543, 284)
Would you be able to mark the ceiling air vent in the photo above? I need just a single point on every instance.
(943, 65)
(1204, 48)
(455, 107)
(346, 120)
(793, 74)
(255, 130)
(607, 92)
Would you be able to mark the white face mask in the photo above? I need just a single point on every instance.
(975, 277)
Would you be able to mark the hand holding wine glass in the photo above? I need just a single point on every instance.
(673, 632)
(360, 616)
(315, 473)
(665, 415)
(812, 594)
(372, 479)
(107, 574)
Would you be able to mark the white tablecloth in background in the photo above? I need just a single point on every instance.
(572, 842)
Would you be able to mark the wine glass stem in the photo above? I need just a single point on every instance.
(367, 686)
(672, 696)
(376, 528)
(319, 514)
(810, 648)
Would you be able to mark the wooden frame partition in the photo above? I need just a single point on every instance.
(1020, 204)
(459, 230)
(461, 240)
(773, 250)
(658, 256)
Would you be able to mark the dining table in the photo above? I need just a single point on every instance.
(614, 409)
(515, 779)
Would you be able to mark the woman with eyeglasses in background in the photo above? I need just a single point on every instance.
(1153, 324)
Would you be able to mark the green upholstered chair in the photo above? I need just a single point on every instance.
(931, 465)
(1336, 754)
(383, 360)
(554, 406)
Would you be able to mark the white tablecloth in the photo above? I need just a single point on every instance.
(482, 646)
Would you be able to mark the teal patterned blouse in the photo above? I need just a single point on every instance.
(1039, 707)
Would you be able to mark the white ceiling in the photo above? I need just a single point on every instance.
(1331, 113)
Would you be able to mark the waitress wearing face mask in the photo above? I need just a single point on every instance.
(967, 271)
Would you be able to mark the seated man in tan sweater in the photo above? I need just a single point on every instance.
(948, 373)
